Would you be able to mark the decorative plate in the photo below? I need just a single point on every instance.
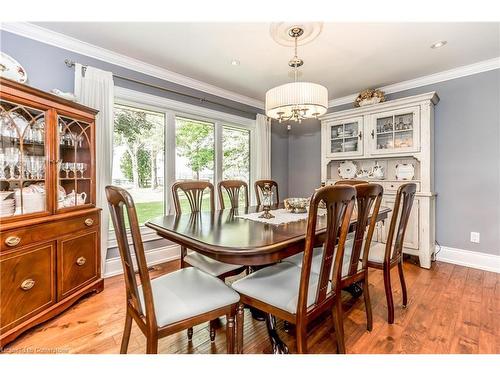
(347, 169)
(405, 171)
(11, 69)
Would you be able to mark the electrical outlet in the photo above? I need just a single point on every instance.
(474, 237)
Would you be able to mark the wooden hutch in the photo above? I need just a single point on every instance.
(49, 223)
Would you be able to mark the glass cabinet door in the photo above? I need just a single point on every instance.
(74, 164)
(345, 138)
(23, 160)
(396, 131)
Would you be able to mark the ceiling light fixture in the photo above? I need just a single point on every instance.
(439, 44)
(235, 62)
(296, 101)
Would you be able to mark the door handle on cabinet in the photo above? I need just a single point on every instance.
(89, 222)
(27, 284)
(12, 241)
(81, 261)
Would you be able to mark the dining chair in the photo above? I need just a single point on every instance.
(355, 261)
(169, 303)
(259, 186)
(296, 294)
(232, 188)
(389, 255)
(194, 191)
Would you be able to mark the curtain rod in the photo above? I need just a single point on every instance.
(70, 63)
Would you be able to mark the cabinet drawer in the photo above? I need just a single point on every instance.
(393, 186)
(15, 238)
(77, 261)
(27, 284)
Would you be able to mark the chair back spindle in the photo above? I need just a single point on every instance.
(232, 188)
(194, 191)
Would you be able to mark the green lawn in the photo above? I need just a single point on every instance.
(149, 210)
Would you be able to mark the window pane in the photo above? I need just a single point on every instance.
(236, 157)
(195, 154)
(138, 158)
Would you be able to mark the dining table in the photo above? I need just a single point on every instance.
(225, 236)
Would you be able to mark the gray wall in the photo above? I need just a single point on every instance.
(467, 159)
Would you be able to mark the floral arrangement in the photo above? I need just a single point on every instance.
(369, 96)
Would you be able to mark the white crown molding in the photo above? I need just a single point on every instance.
(462, 71)
(53, 38)
(473, 259)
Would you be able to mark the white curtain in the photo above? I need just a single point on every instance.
(262, 147)
(95, 89)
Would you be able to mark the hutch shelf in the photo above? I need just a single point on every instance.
(49, 224)
(391, 134)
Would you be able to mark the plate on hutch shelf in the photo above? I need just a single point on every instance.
(347, 169)
(405, 171)
(11, 69)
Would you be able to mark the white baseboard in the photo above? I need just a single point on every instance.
(473, 259)
(163, 254)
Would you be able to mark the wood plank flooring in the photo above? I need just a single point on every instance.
(452, 309)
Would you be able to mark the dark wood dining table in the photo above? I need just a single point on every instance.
(224, 236)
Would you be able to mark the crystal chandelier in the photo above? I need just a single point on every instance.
(296, 101)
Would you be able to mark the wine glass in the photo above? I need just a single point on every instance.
(65, 166)
(84, 168)
(78, 168)
(80, 140)
(2, 166)
(40, 167)
(12, 159)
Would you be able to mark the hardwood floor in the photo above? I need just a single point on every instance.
(451, 309)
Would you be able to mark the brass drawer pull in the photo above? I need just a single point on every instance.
(81, 261)
(89, 222)
(12, 241)
(27, 284)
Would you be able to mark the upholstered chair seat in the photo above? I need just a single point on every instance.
(318, 257)
(278, 286)
(186, 293)
(211, 266)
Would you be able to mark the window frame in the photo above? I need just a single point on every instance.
(172, 109)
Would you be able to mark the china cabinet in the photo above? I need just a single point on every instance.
(49, 224)
(388, 143)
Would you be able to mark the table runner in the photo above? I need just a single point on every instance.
(281, 216)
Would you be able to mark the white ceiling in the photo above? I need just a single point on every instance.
(346, 57)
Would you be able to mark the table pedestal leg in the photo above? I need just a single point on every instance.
(279, 347)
